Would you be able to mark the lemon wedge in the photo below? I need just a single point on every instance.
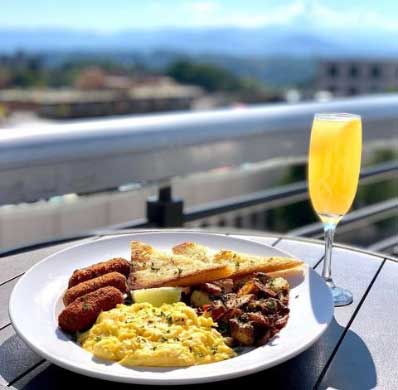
(157, 296)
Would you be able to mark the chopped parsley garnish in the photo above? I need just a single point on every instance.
(178, 271)
(153, 268)
(271, 305)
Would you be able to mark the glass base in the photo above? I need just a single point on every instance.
(341, 296)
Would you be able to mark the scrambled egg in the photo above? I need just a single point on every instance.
(144, 335)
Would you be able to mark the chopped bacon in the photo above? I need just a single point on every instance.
(267, 291)
(211, 288)
(231, 313)
(226, 285)
(248, 309)
(232, 300)
(217, 311)
(281, 322)
(259, 319)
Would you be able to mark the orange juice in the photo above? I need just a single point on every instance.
(334, 164)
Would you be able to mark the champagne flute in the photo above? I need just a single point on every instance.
(333, 172)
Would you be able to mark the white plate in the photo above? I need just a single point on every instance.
(36, 301)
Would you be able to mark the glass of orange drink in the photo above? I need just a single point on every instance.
(333, 171)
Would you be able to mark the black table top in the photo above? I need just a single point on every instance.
(358, 351)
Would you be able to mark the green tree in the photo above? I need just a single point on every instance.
(26, 78)
(376, 192)
(293, 215)
(210, 77)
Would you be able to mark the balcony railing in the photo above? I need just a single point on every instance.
(100, 155)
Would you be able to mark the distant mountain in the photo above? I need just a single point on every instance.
(265, 41)
(274, 71)
(279, 56)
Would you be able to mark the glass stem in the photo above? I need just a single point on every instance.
(329, 230)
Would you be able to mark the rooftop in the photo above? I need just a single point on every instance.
(59, 96)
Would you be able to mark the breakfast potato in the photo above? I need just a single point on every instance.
(199, 298)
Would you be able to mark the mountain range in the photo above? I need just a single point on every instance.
(236, 41)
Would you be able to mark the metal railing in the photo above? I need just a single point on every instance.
(283, 195)
(290, 194)
(92, 156)
(97, 155)
(389, 244)
(372, 213)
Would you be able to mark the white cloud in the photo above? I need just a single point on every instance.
(309, 12)
(204, 7)
(208, 13)
(276, 16)
(354, 18)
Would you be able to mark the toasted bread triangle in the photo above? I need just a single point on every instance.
(241, 263)
(154, 268)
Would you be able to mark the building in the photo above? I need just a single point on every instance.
(357, 77)
(74, 103)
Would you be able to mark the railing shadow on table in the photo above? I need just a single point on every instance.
(360, 374)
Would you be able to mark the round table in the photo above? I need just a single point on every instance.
(358, 350)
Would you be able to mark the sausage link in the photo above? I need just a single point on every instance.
(83, 312)
(114, 279)
(113, 265)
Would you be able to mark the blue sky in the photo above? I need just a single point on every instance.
(115, 15)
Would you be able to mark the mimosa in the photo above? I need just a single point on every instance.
(334, 164)
(333, 171)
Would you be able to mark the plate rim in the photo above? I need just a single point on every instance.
(159, 381)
